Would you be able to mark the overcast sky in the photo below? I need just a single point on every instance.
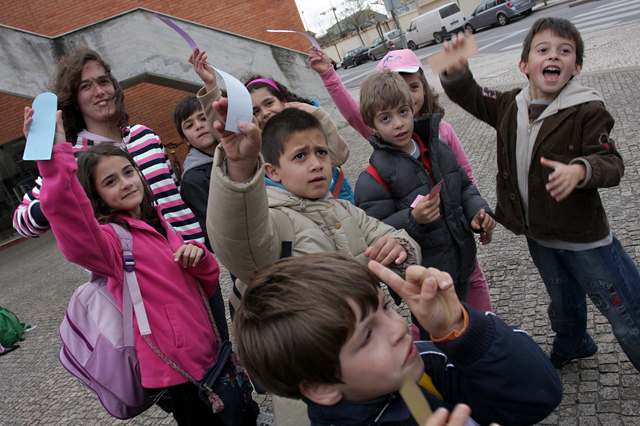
(317, 23)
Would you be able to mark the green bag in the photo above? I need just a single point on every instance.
(11, 329)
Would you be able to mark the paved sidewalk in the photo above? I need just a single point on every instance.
(36, 283)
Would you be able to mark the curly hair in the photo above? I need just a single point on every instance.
(65, 85)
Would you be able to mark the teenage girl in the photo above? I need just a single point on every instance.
(92, 104)
(425, 102)
(109, 189)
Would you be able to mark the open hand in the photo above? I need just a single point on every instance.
(188, 254)
(429, 293)
(386, 250)
(454, 47)
(564, 178)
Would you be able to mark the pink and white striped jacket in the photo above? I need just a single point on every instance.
(149, 154)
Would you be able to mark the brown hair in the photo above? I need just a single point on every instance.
(561, 28)
(431, 104)
(283, 95)
(183, 111)
(296, 315)
(87, 163)
(65, 85)
(281, 127)
(382, 90)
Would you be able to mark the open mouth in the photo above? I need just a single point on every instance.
(317, 180)
(402, 135)
(411, 354)
(102, 103)
(551, 74)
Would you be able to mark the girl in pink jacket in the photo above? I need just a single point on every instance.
(109, 189)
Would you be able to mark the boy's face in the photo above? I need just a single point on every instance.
(552, 63)
(197, 132)
(305, 165)
(379, 355)
(395, 126)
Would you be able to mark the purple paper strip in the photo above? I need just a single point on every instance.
(188, 39)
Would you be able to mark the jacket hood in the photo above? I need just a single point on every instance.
(573, 94)
(346, 413)
(196, 158)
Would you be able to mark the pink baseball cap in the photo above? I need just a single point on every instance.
(403, 60)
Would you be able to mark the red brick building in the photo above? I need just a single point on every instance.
(250, 18)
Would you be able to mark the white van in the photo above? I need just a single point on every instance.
(435, 25)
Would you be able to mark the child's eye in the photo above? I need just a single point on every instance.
(543, 50)
(367, 337)
(187, 126)
(104, 82)
(256, 111)
(109, 182)
(269, 103)
(299, 156)
(415, 87)
(384, 119)
(128, 172)
(84, 86)
(404, 111)
(322, 152)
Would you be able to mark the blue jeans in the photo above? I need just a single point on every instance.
(609, 277)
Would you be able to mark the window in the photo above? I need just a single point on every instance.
(412, 27)
(480, 9)
(491, 4)
(449, 10)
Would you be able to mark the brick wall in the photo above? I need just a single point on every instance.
(146, 104)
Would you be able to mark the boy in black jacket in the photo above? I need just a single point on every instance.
(317, 327)
(408, 161)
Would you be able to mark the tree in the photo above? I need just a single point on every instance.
(358, 15)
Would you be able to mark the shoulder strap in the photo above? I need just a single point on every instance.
(287, 233)
(338, 187)
(131, 290)
(373, 172)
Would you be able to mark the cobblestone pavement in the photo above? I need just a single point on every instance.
(36, 282)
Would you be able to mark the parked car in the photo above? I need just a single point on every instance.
(355, 57)
(393, 41)
(500, 12)
(435, 25)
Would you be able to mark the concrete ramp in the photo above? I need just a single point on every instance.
(141, 48)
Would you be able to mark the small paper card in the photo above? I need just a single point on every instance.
(443, 60)
(313, 41)
(240, 107)
(434, 191)
(43, 128)
(415, 400)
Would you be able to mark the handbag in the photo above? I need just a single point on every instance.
(225, 387)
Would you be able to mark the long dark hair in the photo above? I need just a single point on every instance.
(65, 85)
(87, 164)
(283, 95)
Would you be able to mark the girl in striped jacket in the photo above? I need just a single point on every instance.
(92, 104)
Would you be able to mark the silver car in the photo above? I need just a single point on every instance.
(492, 12)
(394, 42)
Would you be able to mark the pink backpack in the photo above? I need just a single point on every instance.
(97, 339)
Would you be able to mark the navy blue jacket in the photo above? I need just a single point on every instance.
(447, 243)
(498, 370)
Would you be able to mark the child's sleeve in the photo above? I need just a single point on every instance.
(498, 370)
(242, 232)
(347, 106)
(481, 102)
(338, 149)
(373, 229)
(28, 219)
(604, 164)
(194, 194)
(80, 238)
(451, 139)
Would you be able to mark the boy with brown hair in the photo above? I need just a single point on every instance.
(554, 152)
(318, 327)
(243, 218)
(410, 160)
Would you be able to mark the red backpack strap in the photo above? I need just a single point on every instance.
(338, 187)
(373, 172)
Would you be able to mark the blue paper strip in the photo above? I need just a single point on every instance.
(43, 128)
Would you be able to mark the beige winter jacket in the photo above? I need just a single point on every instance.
(245, 235)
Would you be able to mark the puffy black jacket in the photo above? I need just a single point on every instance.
(447, 243)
